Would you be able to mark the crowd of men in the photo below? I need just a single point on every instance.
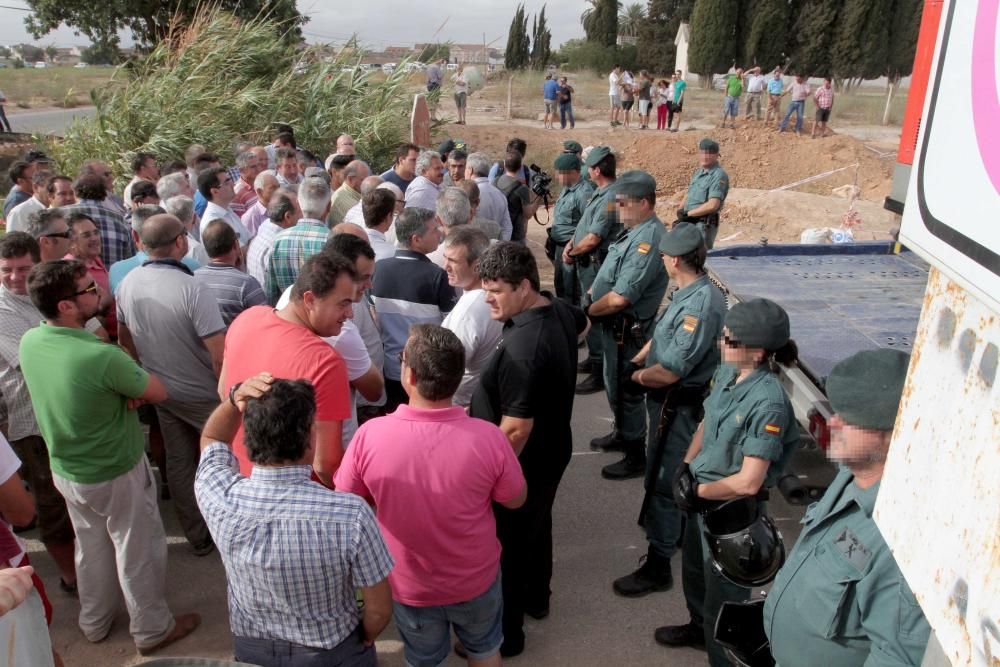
(280, 328)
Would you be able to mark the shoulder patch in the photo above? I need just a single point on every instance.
(690, 323)
(774, 429)
(643, 248)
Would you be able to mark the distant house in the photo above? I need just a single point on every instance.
(67, 56)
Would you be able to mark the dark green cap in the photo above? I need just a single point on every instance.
(865, 389)
(568, 162)
(759, 323)
(708, 145)
(597, 154)
(635, 184)
(571, 146)
(682, 239)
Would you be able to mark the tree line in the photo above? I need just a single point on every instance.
(528, 50)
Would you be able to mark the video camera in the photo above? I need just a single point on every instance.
(540, 182)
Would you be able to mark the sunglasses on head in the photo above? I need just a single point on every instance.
(59, 235)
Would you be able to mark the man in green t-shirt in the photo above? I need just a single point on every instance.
(734, 89)
(84, 393)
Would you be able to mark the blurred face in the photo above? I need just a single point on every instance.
(735, 353)
(435, 172)
(289, 168)
(261, 154)
(567, 178)
(345, 145)
(270, 187)
(62, 195)
(631, 211)
(408, 166)
(14, 273)
(708, 159)
(326, 315)
(86, 240)
(460, 272)
(366, 269)
(505, 300)
(855, 445)
(457, 170)
(250, 171)
(149, 171)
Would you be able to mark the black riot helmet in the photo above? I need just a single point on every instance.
(745, 544)
(739, 629)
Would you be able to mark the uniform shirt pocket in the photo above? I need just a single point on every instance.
(828, 599)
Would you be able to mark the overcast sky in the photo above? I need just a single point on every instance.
(378, 24)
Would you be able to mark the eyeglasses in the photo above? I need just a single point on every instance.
(731, 342)
(58, 235)
(402, 358)
(86, 290)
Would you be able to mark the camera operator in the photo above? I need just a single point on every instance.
(520, 202)
(521, 146)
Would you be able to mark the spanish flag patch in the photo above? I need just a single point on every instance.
(690, 323)
(773, 429)
(643, 248)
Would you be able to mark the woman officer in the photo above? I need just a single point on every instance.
(741, 449)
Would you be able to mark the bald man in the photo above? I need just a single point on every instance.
(348, 194)
(350, 228)
(169, 324)
(345, 145)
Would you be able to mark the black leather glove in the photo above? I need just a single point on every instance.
(630, 386)
(682, 216)
(685, 489)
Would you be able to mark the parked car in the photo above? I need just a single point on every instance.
(40, 65)
(80, 65)
(389, 67)
(452, 66)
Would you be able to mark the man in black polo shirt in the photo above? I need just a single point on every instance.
(527, 389)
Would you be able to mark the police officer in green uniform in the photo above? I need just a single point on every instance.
(565, 217)
(840, 598)
(706, 193)
(574, 147)
(741, 449)
(674, 367)
(598, 227)
(625, 296)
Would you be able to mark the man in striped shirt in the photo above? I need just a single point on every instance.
(294, 246)
(824, 104)
(283, 212)
(232, 288)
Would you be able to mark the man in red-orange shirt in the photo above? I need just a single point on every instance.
(288, 344)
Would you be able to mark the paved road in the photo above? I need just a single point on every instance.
(46, 121)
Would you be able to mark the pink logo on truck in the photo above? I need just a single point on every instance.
(985, 103)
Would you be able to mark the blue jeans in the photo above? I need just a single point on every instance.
(278, 653)
(732, 106)
(799, 107)
(426, 630)
(566, 108)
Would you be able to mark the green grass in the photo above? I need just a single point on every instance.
(52, 86)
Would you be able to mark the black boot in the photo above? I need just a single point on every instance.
(652, 576)
(611, 441)
(591, 385)
(633, 465)
(688, 634)
(589, 366)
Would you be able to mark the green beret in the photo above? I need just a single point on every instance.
(759, 323)
(681, 240)
(866, 388)
(708, 145)
(568, 162)
(571, 146)
(635, 184)
(596, 155)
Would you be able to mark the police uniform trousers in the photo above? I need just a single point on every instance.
(705, 589)
(633, 413)
(708, 232)
(564, 279)
(664, 522)
(585, 277)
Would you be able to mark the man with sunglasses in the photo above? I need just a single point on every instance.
(623, 301)
(673, 370)
(84, 395)
(216, 186)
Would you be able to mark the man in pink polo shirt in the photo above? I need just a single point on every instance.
(432, 471)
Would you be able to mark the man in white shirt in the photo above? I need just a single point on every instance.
(424, 189)
(453, 209)
(614, 95)
(365, 377)
(217, 187)
(283, 213)
(264, 185)
(17, 221)
(755, 91)
(470, 319)
(379, 208)
(286, 167)
(492, 202)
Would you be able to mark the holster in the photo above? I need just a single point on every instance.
(550, 245)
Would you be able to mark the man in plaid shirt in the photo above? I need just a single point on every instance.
(294, 246)
(296, 604)
(824, 104)
(116, 238)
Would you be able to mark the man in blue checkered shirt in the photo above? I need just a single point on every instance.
(294, 551)
(116, 238)
(294, 246)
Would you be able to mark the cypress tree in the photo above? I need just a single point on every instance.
(541, 41)
(860, 48)
(517, 53)
(713, 32)
(904, 28)
(813, 32)
(766, 42)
